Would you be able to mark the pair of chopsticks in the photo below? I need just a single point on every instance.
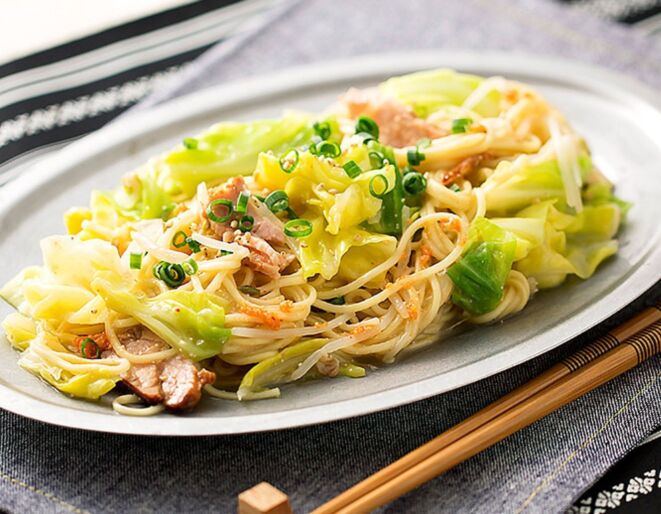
(618, 351)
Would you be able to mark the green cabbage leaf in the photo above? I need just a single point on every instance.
(277, 370)
(479, 275)
(190, 321)
(342, 242)
(223, 151)
(525, 181)
(429, 91)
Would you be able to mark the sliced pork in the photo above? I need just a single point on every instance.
(181, 382)
(262, 227)
(262, 257)
(398, 124)
(265, 233)
(463, 168)
(175, 382)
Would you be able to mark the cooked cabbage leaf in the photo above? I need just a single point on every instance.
(573, 244)
(595, 222)
(61, 290)
(76, 263)
(230, 149)
(13, 291)
(190, 321)
(428, 91)
(515, 185)
(479, 275)
(84, 378)
(349, 254)
(336, 205)
(20, 330)
(223, 151)
(277, 370)
(529, 233)
(600, 193)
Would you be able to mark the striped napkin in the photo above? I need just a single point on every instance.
(53, 97)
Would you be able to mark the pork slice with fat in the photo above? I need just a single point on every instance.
(398, 124)
(175, 382)
(262, 227)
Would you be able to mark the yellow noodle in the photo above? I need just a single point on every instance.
(119, 349)
(515, 298)
(120, 405)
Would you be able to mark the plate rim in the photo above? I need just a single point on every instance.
(588, 77)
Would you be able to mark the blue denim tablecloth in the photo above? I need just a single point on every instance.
(540, 469)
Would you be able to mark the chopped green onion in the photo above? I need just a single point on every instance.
(376, 159)
(425, 142)
(223, 202)
(190, 267)
(414, 183)
(367, 125)
(179, 239)
(83, 348)
(298, 228)
(190, 143)
(387, 152)
(374, 184)
(352, 169)
(242, 203)
(156, 270)
(277, 201)
(339, 300)
(365, 137)
(193, 245)
(225, 252)
(328, 149)
(260, 198)
(172, 274)
(246, 223)
(461, 125)
(289, 160)
(391, 213)
(455, 188)
(322, 129)
(312, 147)
(415, 156)
(135, 261)
(249, 290)
(292, 215)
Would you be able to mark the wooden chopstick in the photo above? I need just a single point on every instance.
(549, 377)
(574, 384)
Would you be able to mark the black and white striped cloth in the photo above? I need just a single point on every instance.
(645, 15)
(51, 97)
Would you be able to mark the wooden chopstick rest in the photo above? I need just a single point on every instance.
(264, 499)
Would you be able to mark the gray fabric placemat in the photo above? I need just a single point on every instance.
(540, 469)
(318, 30)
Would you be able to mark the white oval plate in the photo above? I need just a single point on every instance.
(617, 117)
